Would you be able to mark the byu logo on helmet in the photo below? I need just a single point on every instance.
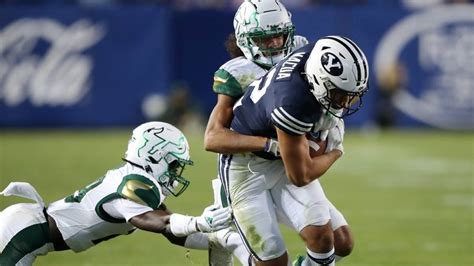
(332, 64)
(336, 64)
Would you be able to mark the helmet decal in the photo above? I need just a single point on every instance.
(332, 64)
(163, 151)
(153, 149)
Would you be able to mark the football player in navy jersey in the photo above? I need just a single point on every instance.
(264, 35)
(326, 78)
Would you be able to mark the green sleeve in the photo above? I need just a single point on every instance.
(141, 190)
(225, 83)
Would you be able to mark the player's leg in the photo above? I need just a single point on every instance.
(226, 242)
(220, 251)
(343, 238)
(307, 211)
(24, 234)
(253, 208)
(343, 242)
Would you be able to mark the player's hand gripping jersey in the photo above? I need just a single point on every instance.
(281, 98)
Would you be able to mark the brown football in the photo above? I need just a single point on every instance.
(313, 145)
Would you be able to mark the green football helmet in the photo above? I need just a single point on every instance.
(255, 23)
(163, 151)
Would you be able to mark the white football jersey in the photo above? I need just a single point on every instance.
(233, 77)
(82, 218)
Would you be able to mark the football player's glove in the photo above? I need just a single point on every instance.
(213, 219)
(327, 121)
(336, 137)
(271, 146)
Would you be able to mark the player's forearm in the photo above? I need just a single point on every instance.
(153, 221)
(320, 164)
(302, 170)
(218, 136)
(226, 141)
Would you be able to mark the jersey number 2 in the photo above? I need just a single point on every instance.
(259, 90)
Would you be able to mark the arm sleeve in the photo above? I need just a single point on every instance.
(125, 209)
(290, 123)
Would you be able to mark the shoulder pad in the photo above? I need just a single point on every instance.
(141, 190)
(233, 77)
(299, 41)
(225, 83)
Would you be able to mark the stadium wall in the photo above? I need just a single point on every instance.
(89, 67)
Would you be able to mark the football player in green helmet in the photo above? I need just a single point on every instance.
(125, 199)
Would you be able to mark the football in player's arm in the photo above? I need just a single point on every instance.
(125, 199)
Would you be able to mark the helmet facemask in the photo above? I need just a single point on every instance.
(332, 103)
(255, 42)
(172, 181)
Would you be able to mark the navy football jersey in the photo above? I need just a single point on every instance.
(281, 98)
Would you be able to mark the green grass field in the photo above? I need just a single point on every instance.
(408, 195)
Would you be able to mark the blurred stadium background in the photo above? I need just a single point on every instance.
(77, 76)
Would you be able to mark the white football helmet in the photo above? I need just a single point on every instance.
(257, 20)
(163, 151)
(337, 63)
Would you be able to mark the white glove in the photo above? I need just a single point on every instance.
(336, 137)
(271, 146)
(326, 121)
(324, 135)
(214, 218)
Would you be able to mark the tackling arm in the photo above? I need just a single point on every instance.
(300, 168)
(157, 221)
(220, 139)
(154, 221)
(177, 227)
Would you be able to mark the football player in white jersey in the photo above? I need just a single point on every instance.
(264, 35)
(118, 203)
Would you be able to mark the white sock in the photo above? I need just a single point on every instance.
(313, 258)
(234, 243)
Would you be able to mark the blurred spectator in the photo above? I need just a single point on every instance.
(181, 111)
(389, 83)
